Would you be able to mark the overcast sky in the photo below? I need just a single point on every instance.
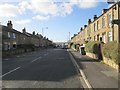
(60, 16)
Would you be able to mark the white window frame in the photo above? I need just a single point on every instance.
(14, 36)
(98, 24)
(95, 27)
(103, 22)
(8, 34)
(110, 36)
(109, 19)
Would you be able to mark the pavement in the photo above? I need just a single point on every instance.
(98, 74)
(49, 68)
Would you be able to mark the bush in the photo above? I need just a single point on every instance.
(73, 45)
(70, 44)
(89, 46)
(110, 50)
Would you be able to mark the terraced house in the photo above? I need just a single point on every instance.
(101, 28)
(12, 38)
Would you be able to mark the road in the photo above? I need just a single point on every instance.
(49, 68)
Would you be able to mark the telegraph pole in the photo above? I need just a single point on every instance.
(69, 36)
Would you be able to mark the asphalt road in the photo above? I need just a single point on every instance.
(50, 68)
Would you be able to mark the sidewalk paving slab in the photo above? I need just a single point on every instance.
(98, 74)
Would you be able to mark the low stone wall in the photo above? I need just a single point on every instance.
(110, 63)
(105, 60)
(92, 55)
(14, 52)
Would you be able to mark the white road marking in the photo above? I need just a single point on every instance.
(10, 72)
(23, 55)
(46, 54)
(18, 56)
(35, 59)
(6, 59)
(60, 58)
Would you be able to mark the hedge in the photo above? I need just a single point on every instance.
(110, 50)
(92, 47)
(73, 45)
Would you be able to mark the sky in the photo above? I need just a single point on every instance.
(58, 20)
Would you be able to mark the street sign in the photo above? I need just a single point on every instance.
(116, 21)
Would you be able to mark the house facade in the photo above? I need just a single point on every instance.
(101, 28)
(11, 38)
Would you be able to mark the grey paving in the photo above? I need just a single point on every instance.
(99, 75)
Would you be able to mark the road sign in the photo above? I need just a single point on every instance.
(117, 21)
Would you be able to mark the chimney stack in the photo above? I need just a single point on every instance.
(89, 21)
(81, 29)
(10, 25)
(95, 17)
(33, 32)
(24, 30)
(104, 10)
(85, 26)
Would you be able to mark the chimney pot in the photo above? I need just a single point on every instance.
(85, 26)
(10, 25)
(33, 32)
(104, 10)
(95, 17)
(81, 29)
(24, 30)
(89, 21)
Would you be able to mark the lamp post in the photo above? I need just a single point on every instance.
(43, 30)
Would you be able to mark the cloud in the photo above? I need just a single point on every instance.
(87, 3)
(41, 18)
(8, 10)
(49, 7)
(23, 5)
(23, 21)
(44, 8)
(65, 9)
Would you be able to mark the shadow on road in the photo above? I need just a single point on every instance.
(56, 66)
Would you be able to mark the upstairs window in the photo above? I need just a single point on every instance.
(8, 34)
(109, 19)
(94, 27)
(103, 22)
(98, 25)
(14, 36)
(109, 36)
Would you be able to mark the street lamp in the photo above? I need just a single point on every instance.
(43, 30)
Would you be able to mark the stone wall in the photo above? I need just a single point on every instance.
(105, 60)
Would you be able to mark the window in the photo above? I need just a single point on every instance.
(104, 37)
(14, 35)
(94, 38)
(103, 22)
(109, 36)
(94, 27)
(98, 37)
(8, 34)
(98, 25)
(109, 19)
